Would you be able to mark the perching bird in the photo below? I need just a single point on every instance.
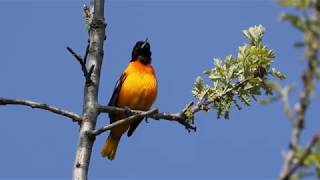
(136, 89)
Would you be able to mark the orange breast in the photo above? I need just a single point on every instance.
(139, 89)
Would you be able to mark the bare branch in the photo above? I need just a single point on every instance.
(90, 103)
(80, 60)
(304, 156)
(75, 117)
(178, 117)
(299, 122)
(122, 121)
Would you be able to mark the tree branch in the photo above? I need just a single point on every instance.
(178, 117)
(125, 120)
(83, 61)
(299, 122)
(80, 60)
(75, 117)
(299, 162)
(90, 103)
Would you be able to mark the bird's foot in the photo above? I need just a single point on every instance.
(127, 111)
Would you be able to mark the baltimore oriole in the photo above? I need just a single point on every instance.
(136, 89)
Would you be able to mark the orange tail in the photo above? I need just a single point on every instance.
(110, 147)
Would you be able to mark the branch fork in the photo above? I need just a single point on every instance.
(83, 61)
(122, 121)
(295, 164)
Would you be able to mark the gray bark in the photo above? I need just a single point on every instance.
(90, 104)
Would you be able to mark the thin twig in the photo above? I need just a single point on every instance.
(80, 60)
(178, 117)
(122, 121)
(303, 157)
(129, 112)
(75, 117)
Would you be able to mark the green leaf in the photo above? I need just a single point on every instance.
(270, 100)
(198, 87)
(301, 4)
(273, 85)
(245, 99)
(290, 3)
(235, 102)
(215, 76)
(254, 34)
(88, 14)
(190, 116)
(304, 4)
(217, 62)
(227, 109)
(296, 21)
(277, 74)
(301, 175)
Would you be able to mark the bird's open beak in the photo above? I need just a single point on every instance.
(144, 43)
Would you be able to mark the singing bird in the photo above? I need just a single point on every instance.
(136, 89)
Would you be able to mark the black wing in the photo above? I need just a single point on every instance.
(133, 126)
(114, 98)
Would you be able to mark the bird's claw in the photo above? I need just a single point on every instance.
(127, 110)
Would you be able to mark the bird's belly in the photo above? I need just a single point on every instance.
(138, 92)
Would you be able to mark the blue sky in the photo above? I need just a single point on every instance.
(185, 36)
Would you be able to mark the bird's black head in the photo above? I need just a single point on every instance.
(141, 51)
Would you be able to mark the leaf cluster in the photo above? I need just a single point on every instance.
(307, 20)
(312, 160)
(238, 78)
